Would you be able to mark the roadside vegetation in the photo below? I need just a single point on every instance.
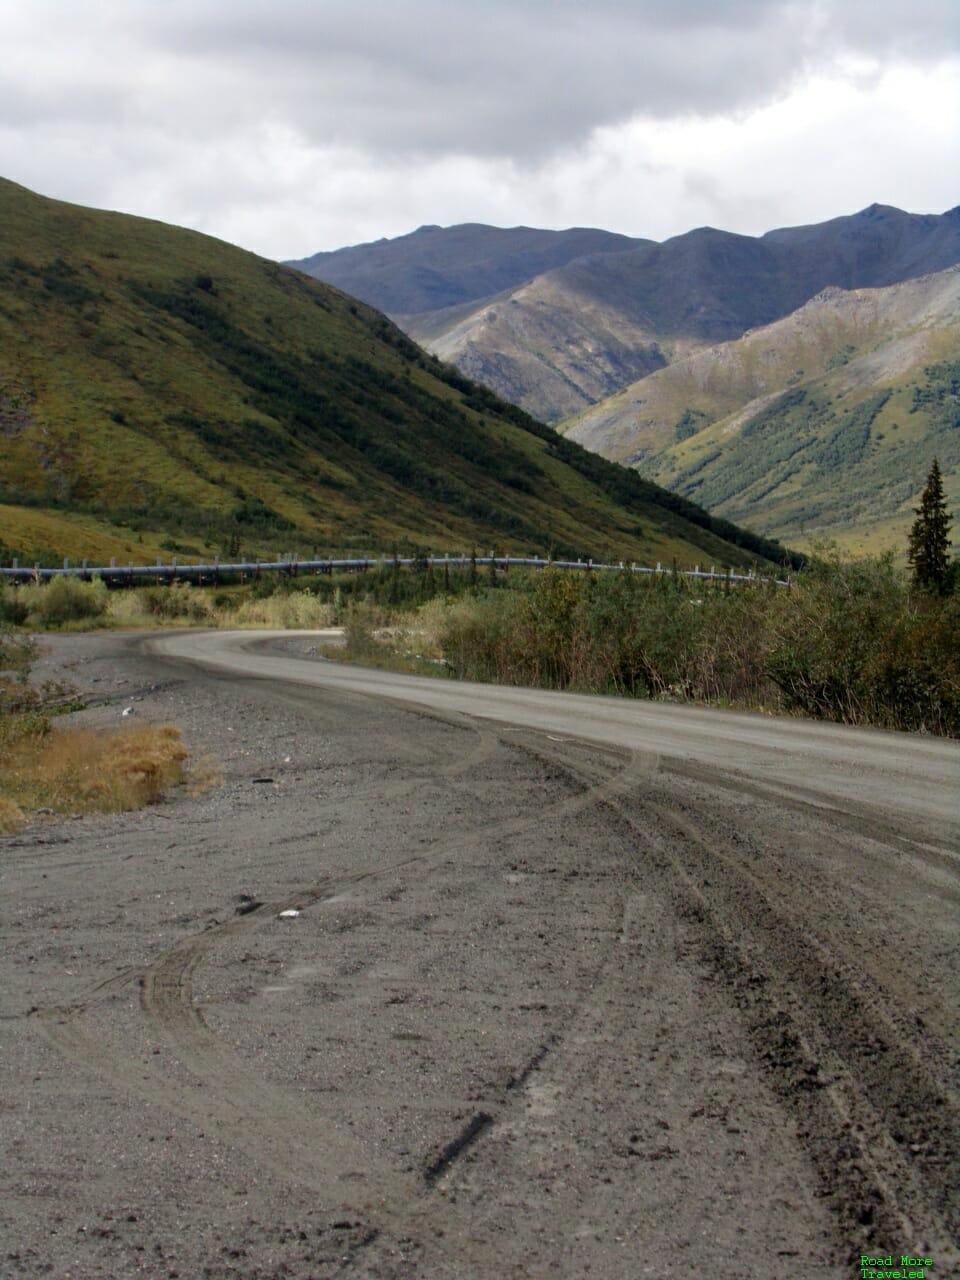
(857, 643)
(49, 766)
(866, 642)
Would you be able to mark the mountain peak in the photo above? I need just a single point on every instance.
(557, 320)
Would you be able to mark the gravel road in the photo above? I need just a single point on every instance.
(447, 982)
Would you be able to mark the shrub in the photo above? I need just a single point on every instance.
(178, 601)
(852, 642)
(16, 659)
(63, 600)
(13, 606)
(855, 642)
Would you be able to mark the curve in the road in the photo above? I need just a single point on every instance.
(910, 779)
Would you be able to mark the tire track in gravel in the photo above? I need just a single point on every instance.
(281, 1132)
(239, 1103)
(910, 839)
(527, 1133)
(878, 1122)
(813, 1022)
(236, 1101)
(167, 988)
(537, 1118)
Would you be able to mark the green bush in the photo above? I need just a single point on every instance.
(855, 643)
(13, 606)
(17, 653)
(64, 600)
(858, 643)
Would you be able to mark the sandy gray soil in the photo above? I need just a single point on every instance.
(550, 1008)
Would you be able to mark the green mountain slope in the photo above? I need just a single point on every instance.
(160, 389)
(823, 423)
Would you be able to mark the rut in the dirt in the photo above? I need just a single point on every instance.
(880, 1126)
(544, 1002)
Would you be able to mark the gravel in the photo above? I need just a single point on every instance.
(417, 995)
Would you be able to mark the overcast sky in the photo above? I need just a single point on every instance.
(288, 126)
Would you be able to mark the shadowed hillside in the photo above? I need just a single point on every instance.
(161, 390)
(439, 267)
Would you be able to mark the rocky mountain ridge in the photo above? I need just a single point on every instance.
(556, 340)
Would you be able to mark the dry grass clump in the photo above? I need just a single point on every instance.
(84, 770)
(294, 610)
(176, 604)
(183, 605)
(12, 816)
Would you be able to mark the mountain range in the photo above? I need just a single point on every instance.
(614, 345)
(550, 319)
(439, 267)
(823, 423)
(161, 391)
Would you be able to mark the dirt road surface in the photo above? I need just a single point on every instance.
(573, 988)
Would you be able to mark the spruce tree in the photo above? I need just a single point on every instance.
(928, 536)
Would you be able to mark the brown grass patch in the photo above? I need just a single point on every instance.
(87, 770)
(12, 816)
(202, 773)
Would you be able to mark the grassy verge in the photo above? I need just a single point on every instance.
(44, 766)
(67, 604)
(48, 765)
(304, 602)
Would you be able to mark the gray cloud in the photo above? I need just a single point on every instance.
(305, 124)
(507, 78)
(524, 78)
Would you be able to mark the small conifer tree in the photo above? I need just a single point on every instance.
(928, 537)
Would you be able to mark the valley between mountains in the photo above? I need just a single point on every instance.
(798, 381)
(164, 393)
